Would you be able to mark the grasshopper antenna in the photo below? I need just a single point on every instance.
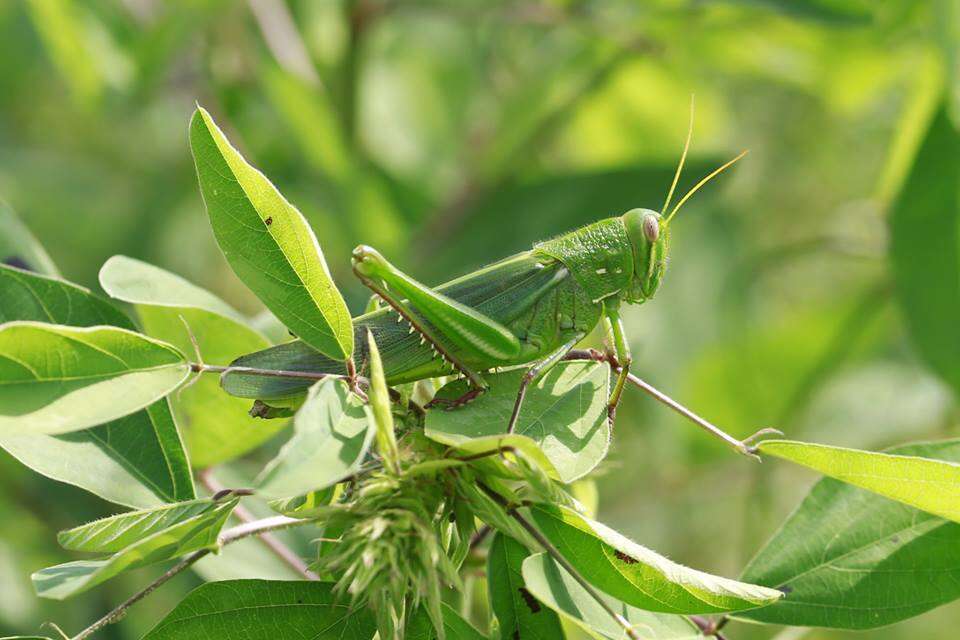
(704, 181)
(683, 158)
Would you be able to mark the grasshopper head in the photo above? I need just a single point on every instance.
(649, 239)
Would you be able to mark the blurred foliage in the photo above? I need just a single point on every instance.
(449, 133)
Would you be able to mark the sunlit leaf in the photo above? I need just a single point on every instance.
(555, 588)
(57, 379)
(137, 460)
(930, 485)
(925, 248)
(187, 536)
(268, 243)
(638, 576)
(565, 414)
(264, 610)
(331, 437)
(113, 534)
(519, 613)
(216, 426)
(851, 559)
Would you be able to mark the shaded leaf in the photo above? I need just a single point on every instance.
(19, 248)
(455, 627)
(57, 379)
(518, 612)
(137, 460)
(264, 610)
(925, 248)
(331, 438)
(190, 535)
(552, 585)
(216, 426)
(565, 414)
(268, 243)
(638, 576)
(930, 485)
(851, 559)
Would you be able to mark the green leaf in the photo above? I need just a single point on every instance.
(137, 460)
(925, 248)
(848, 558)
(264, 610)
(518, 612)
(190, 535)
(113, 534)
(455, 627)
(638, 576)
(930, 485)
(268, 243)
(379, 412)
(331, 438)
(18, 247)
(217, 427)
(565, 414)
(57, 379)
(553, 586)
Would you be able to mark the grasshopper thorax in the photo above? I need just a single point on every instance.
(649, 237)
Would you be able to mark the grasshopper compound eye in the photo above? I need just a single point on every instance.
(651, 227)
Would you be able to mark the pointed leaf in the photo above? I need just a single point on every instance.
(848, 558)
(19, 248)
(638, 576)
(331, 438)
(138, 460)
(264, 610)
(113, 534)
(565, 414)
(269, 243)
(518, 612)
(57, 379)
(217, 427)
(553, 586)
(929, 485)
(190, 535)
(925, 248)
(379, 411)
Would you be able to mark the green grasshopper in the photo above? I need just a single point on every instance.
(529, 309)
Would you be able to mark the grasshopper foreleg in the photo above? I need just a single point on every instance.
(623, 356)
(536, 371)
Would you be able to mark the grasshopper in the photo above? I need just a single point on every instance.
(530, 309)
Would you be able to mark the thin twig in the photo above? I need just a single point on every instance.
(553, 551)
(282, 38)
(270, 541)
(199, 367)
(229, 536)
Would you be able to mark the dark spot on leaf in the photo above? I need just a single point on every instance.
(785, 589)
(532, 603)
(895, 539)
(16, 261)
(269, 220)
(622, 557)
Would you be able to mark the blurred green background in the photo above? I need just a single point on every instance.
(449, 133)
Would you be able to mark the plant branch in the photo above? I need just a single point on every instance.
(270, 541)
(234, 534)
(553, 551)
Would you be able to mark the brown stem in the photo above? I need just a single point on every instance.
(270, 541)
